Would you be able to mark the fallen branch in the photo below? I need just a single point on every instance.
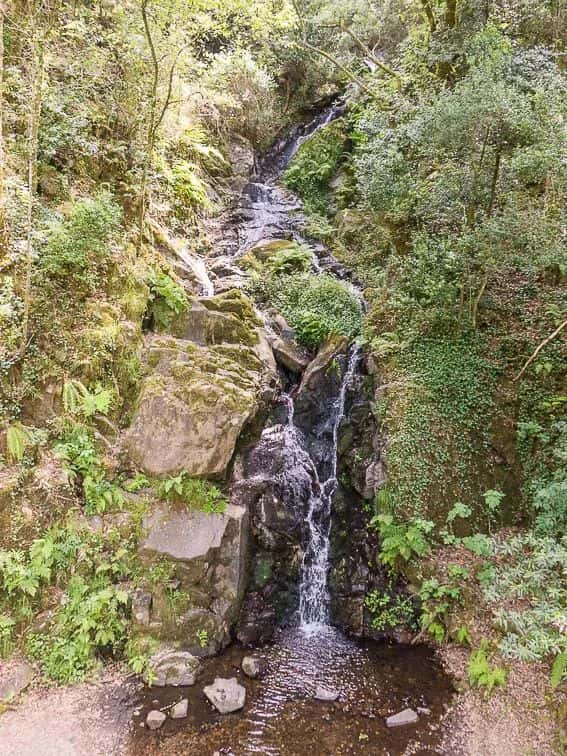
(540, 347)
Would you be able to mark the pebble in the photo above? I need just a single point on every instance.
(155, 719)
(179, 711)
(405, 717)
(326, 694)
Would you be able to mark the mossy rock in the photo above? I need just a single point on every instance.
(193, 406)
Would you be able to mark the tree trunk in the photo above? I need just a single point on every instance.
(494, 184)
(37, 76)
(3, 220)
(151, 125)
(451, 14)
(426, 5)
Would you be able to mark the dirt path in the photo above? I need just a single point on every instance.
(90, 719)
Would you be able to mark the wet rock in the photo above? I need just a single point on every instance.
(14, 678)
(179, 711)
(325, 694)
(405, 717)
(226, 695)
(252, 666)
(290, 356)
(155, 719)
(170, 666)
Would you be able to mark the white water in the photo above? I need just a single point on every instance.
(313, 587)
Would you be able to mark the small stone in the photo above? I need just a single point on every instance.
(325, 694)
(15, 678)
(179, 711)
(405, 717)
(155, 719)
(252, 666)
(226, 695)
(423, 710)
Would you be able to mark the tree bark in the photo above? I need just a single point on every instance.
(37, 77)
(451, 14)
(3, 219)
(426, 5)
(539, 348)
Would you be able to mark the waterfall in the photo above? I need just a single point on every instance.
(313, 587)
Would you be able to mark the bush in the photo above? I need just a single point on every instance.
(198, 494)
(167, 299)
(315, 164)
(79, 246)
(316, 306)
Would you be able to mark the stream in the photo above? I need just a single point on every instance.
(371, 681)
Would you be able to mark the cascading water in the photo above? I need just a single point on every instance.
(313, 587)
(292, 472)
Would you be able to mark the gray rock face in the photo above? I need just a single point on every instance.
(226, 695)
(14, 678)
(155, 719)
(325, 694)
(252, 666)
(405, 717)
(179, 711)
(172, 667)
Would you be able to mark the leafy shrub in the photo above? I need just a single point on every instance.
(401, 540)
(92, 621)
(316, 306)
(83, 463)
(389, 610)
(198, 494)
(167, 299)
(79, 246)
(77, 399)
(315, 164)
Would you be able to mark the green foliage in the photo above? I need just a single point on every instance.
(401, 540)
(198, 494)
(481, 673)
(79, 453)
(316, 306)
(559, 670)
(389, 610)
(167, 299)
(190, 190)
(202, 638)
(493, 501)
(315, 164)
(77, 399)
(91, 622)
(17, 440)
(530, 571)
(438, 599)
(78, 247)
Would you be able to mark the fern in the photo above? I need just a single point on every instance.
(17, 440)
(77, 399)
(481, 673)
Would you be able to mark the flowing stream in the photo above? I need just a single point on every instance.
(281, 716)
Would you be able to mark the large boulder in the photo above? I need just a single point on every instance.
(208, 556)
(200, 390)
